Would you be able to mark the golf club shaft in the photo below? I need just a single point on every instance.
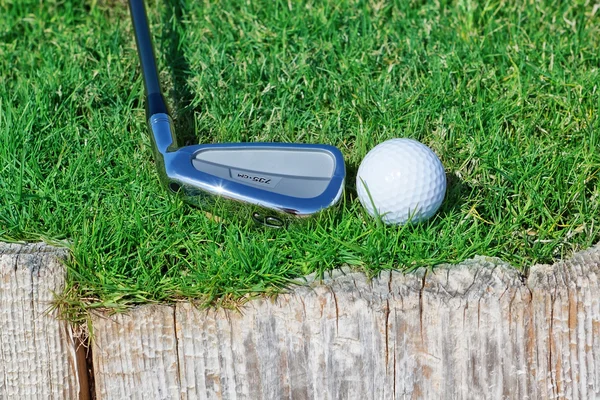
(155, 102)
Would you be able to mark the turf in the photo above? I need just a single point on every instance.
(505, 92)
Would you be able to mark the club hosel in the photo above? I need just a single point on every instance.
(164, 144)
(162, 133)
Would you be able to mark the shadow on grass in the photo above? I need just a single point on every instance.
(180, 94)
(457, 191)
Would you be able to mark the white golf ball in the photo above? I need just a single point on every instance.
(405, 179)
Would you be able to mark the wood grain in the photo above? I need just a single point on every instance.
(474, 330)
(135, 355)
(566, 316)
(37, 352)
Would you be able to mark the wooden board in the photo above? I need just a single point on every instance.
(474, 330)
(566, 320)
(135, 355)
(38, 357)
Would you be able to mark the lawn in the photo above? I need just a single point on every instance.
(505, 92)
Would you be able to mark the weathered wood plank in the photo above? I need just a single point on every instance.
(452, 333)
(467, 338)
(566, 312)
(37, 352)
(306, 345)
(135, 355)
(474, 330)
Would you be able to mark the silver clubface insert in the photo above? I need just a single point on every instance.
(272, 183)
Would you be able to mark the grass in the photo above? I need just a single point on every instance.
(505, 92)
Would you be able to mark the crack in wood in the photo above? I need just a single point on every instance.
(423, 283)
(387, 319)
(551, 344)
(176, 346)
(337, 311)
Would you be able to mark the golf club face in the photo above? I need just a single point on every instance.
(272, 183)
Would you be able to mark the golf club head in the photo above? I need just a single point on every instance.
(273, 183)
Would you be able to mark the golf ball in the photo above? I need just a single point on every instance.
(403, 180)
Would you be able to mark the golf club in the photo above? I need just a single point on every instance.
(273, 183)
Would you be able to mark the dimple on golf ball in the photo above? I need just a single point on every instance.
(401, 180)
